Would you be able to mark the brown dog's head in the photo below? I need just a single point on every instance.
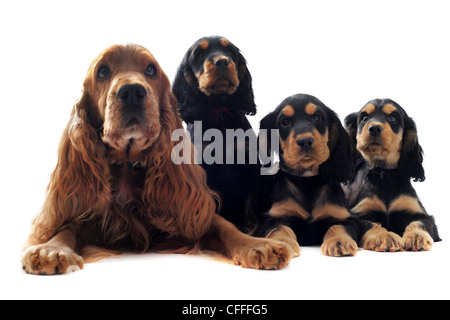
(123, 93)
(386, 137)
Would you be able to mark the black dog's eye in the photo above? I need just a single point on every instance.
(285, 122)
(229, 52)
(364, 118)
(316, 117)
(151, 71)
(201, 55)
(103, 72)
(392, 118)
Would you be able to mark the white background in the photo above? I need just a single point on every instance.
(344, 52)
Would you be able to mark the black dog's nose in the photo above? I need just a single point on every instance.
(132, 94)
(375, 130)
(222, 63)
(305, 143)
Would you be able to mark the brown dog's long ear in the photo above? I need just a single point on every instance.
(411, 157)
(176, 195)
(80, 181)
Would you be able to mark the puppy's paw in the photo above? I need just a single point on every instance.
(337, 243)
(47, 259)
(263, 254)
(380, 240)
(417, 239)
(286, 235)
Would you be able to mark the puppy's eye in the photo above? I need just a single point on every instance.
(365, 119)
(151, 71)
(316, 117)
(103, 72)
(285, 122)
(201, 55)
(391, 118)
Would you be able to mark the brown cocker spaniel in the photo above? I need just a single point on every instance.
(115, 188)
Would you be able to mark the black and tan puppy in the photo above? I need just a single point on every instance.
(389, 156)
(305, 195)
(214, 91)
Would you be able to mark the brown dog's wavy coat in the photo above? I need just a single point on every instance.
(115, 188)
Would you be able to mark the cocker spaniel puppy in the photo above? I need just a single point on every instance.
(115, 188)
(213, 87)
(304, 200)
(389, 156)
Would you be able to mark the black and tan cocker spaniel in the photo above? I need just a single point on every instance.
(213, 87)
(304, 200)
(388, 157)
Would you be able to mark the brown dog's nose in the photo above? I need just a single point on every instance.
(132, 94)
(305, 143)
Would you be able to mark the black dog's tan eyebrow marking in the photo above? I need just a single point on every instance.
(310, 108)
(389, 108)
(224, 42)
(288, 111)
(204, 44)
(370, 108)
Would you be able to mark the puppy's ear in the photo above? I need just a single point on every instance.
(267, 138)
(183, 87)
(339, 166)
(411, 157)
(351, 125)
(244, 92)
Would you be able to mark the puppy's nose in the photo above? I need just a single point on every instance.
(132, 94)
(375, 130)
(222, 63)
(305, 143)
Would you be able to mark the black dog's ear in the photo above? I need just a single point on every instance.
(339, 166)
(244, 92)
(265, 137)
(411, 157)
(182, 86)
(351, 125)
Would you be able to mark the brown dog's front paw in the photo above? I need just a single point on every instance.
(417, 239)
(46, 259)
(264, 254)
(286, 235)
(380, 240)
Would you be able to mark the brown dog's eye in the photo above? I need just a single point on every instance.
(151, 71)
(103, 72)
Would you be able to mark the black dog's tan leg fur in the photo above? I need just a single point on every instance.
(380, 240)
(338, 243)
(415, 238)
